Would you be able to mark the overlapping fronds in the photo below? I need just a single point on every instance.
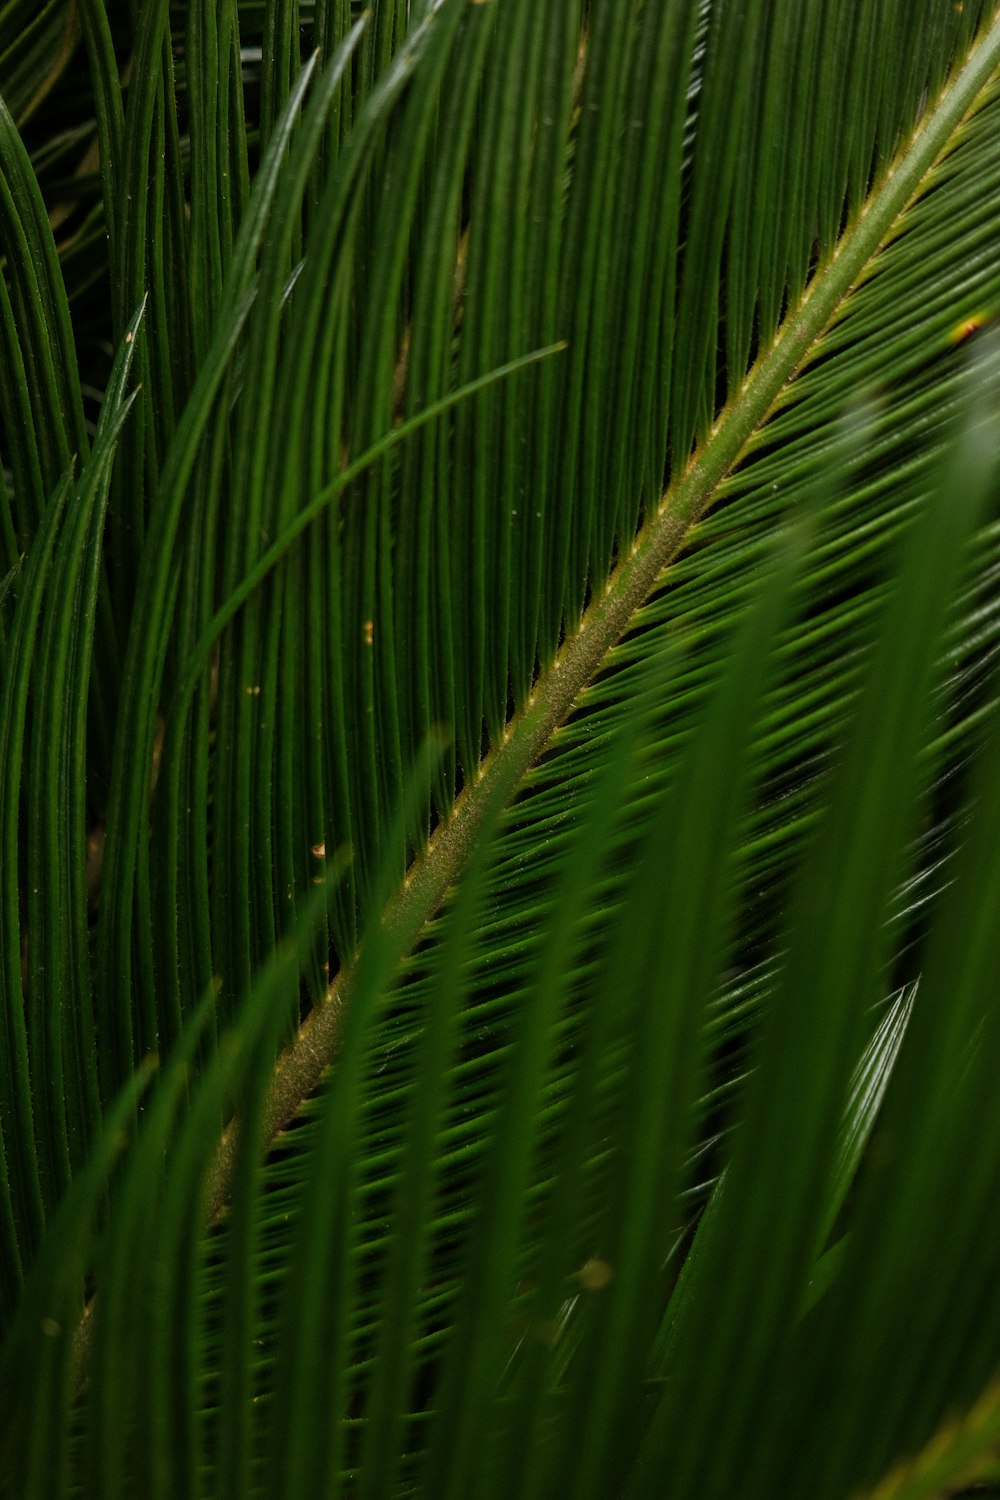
(499, 613)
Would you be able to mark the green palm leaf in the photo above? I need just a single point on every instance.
(524, 642)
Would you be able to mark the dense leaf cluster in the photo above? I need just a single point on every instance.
(499, 762)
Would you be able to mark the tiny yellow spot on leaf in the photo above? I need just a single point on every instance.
(595, 1274)
(968, 326)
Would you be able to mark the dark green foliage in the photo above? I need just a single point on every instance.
(499, 761)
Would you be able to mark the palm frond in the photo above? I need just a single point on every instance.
(524, 640)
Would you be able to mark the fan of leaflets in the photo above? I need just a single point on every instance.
(499, 761)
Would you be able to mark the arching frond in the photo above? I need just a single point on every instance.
(499, 631)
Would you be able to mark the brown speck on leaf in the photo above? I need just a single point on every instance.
(253, 691)
(459, 289)
(368, 632)
(95, 859)
(161, 727)
(318, 851)
(399, 377)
